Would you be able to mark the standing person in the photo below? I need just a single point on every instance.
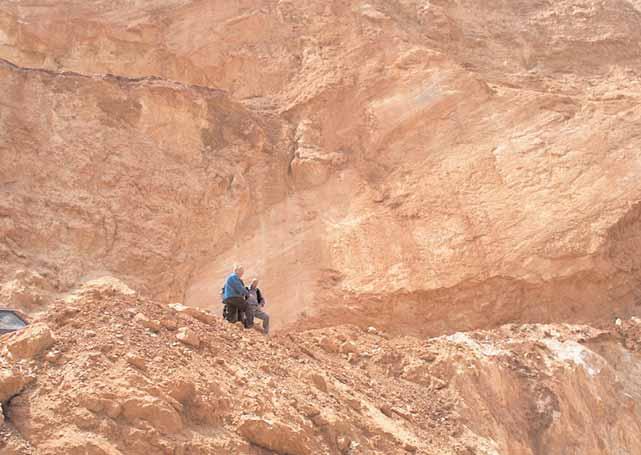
(256, 302)
(235, 294)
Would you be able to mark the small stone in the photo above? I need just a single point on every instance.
(352, 357)
(387, 410)
(169, 324)
(195, 313)
(188, 336)
(349, 347)
(342, 443)
(354, 404)
(409, 447)
(318, 381)
(371, 330)
(112, 408)
(158, 413)
(319, 420)
(136, 361)
(329, 344)
(53, 357)
(147, 323)
(310, 411)
(180, 389)
(439, 383)
(429, 357)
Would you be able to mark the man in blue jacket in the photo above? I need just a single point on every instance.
(235, 294)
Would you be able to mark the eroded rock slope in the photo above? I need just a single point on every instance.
(109, 372)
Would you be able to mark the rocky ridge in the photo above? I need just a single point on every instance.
(113, 370)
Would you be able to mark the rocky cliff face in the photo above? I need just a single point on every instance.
(424, 167)
(474, 163)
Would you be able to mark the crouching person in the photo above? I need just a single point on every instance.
(256, 303)
(235, 294)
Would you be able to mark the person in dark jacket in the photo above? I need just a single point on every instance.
(235, 295)
(256, 303)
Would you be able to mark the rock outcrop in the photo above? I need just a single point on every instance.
(478, 168)
(527, 389)
(274, 436)
(441, 200)
(28, 343)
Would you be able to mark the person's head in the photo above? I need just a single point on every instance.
(239, 270)
(254, 283)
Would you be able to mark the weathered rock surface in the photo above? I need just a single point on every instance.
(464, 171)
(187, 336)
(153, 410)
(482, 160)
(275, 436)
(11, 383)
(29, 342)
(514, 389)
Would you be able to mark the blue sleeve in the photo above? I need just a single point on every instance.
(237, 286)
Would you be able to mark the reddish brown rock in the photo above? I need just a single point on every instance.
(434, 169)
(146, 322)
(188, 336)
(275, 436)
(158, 413)
(318, 381)
(11, 383)
(329, 344)
(29, 342)
(136, 361)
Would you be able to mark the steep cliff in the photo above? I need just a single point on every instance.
(463, 171)
(472, 163)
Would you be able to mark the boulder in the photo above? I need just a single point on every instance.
(188, 336)
(28, 343)
(11, 383)
(275, 436)
(150, 324)
(157, 412)
(194, 313)
(169, 324)
(96, 403)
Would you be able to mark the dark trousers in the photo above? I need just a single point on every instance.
(239, 304)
